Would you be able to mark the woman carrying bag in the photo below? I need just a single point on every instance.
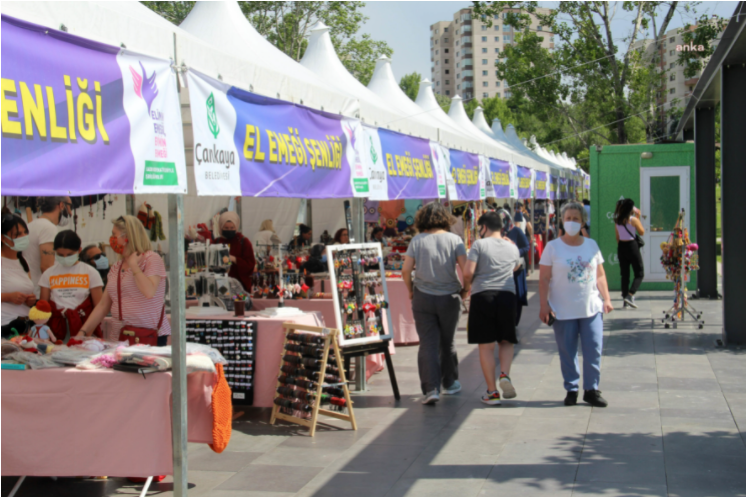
(135, 293)
(628, 227)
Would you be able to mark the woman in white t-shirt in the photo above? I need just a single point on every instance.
(574, 292)
(17, 287)
(72, 288)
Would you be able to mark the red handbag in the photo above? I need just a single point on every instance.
(133, 334)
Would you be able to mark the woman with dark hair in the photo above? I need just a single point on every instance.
(627, 224)
(241, 252)
(341, 237)
(303, 239)
(72, 288)
(17, 287)
(435, 298)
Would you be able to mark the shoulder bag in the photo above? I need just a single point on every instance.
(135, 335)
(638, 238)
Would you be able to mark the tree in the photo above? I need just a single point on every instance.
(410, 84)
(444, 102)
(700, 35)
(287, 24)
(599, 93)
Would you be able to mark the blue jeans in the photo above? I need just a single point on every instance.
(590, 332)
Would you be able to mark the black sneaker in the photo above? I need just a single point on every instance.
(593, 397)
(571, 398)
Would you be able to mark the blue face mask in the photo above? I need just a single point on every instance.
(324, 258)
(102, 262)
(66, 261)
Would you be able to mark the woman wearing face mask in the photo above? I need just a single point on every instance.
(72, 288)
(241, 253)
(17, 288)
(94, 257)
(137, 284)
(574, 291)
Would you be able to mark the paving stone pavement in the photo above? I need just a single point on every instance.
(675, 426)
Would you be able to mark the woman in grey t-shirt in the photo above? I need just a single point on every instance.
(435, 298)
(488, 276)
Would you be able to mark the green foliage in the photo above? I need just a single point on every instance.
(410, 84)
(444, 102)
(286, 25)
(587, 91)
(700, 35)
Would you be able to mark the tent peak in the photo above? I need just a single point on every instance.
(384, 58)
(319, 26)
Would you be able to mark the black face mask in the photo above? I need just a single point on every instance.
(229, 234)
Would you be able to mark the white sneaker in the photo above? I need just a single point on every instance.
(508, 391)
(454, 388)
(431, 398)
(630, 301)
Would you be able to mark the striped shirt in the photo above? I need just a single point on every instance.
(137, 310)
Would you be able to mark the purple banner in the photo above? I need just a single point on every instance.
(410, 171)
(542, 185)
(464, 168)
(64, 127)
(554, 188)
(524, 183)
(290, 150)
(562, 190)
(500, 171)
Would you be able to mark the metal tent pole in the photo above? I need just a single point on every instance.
(360, 384)
(532, 257)
(179, 373)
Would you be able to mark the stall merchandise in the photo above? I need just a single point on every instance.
(311, 377)
(678, 259)
(236, 340)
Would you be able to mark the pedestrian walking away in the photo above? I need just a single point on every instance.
(434, 255)
(574, 294)
(488, 278)
(628, 250)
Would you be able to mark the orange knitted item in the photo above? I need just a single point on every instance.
(221, 405)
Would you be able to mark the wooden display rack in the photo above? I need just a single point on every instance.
(331, 339)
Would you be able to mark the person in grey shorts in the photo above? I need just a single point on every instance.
(435, 298)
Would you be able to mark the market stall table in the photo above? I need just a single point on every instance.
(68, 422)
(323, 306)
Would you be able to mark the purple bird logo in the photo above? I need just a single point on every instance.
(144, 86)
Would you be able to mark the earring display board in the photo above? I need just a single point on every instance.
(236, 340)
(312, 375)
(360, 295)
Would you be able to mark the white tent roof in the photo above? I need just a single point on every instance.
(513, 137)
(224, 26)
(321, 58)
(494, 149)
(447, 127)
(520, 157)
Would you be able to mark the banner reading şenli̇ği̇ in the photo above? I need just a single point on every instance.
(249, 145)
(85, 118)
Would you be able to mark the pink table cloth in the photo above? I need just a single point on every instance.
(67, 422)
(404, 332)
(323, 306)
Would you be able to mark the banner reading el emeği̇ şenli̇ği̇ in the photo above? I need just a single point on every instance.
(525, 179)
(465, 170)
(81, 117)
(246, 144)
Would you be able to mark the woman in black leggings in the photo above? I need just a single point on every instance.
(627, 224)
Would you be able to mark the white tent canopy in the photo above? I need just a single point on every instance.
(224, 26)
(321, 58)
(458, 114)
(528, 160)
(449, 130)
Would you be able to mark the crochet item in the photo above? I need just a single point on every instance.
(157, 230)
(40, 311)
(222, 412)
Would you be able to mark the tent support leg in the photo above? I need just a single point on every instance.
(179, 376)
(16, 486)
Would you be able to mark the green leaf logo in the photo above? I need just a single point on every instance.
(212, 119)
(372, 151)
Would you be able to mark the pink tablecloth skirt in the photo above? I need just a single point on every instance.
(404, 332)
(66, 422)
(323, 306)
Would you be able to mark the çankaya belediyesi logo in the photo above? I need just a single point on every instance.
(210, 105)
(213, 155)
(147, 91)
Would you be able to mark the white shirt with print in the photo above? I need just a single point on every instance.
(70, 286)
(573, 293)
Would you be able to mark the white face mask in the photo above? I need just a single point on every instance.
(66, 261)
(572, 228)
(19, 244)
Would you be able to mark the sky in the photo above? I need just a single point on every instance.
(405, 27)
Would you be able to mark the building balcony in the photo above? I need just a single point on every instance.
(692, 81)
(468, 68)
(467, 45)
(467, 79)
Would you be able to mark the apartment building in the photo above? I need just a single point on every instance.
(465, 52)
(677, 88)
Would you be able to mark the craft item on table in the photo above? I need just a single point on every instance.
(146, 216)
(8, 347)
(136, 355)
(310, 367)
(221, 407)
(157, 229)
(34, 360)
(70, 357)
(40, 315)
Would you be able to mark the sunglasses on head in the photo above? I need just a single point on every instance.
(97, 257)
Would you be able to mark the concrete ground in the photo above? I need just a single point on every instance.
(675, 426)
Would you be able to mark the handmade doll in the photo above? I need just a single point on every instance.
(40, 314)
